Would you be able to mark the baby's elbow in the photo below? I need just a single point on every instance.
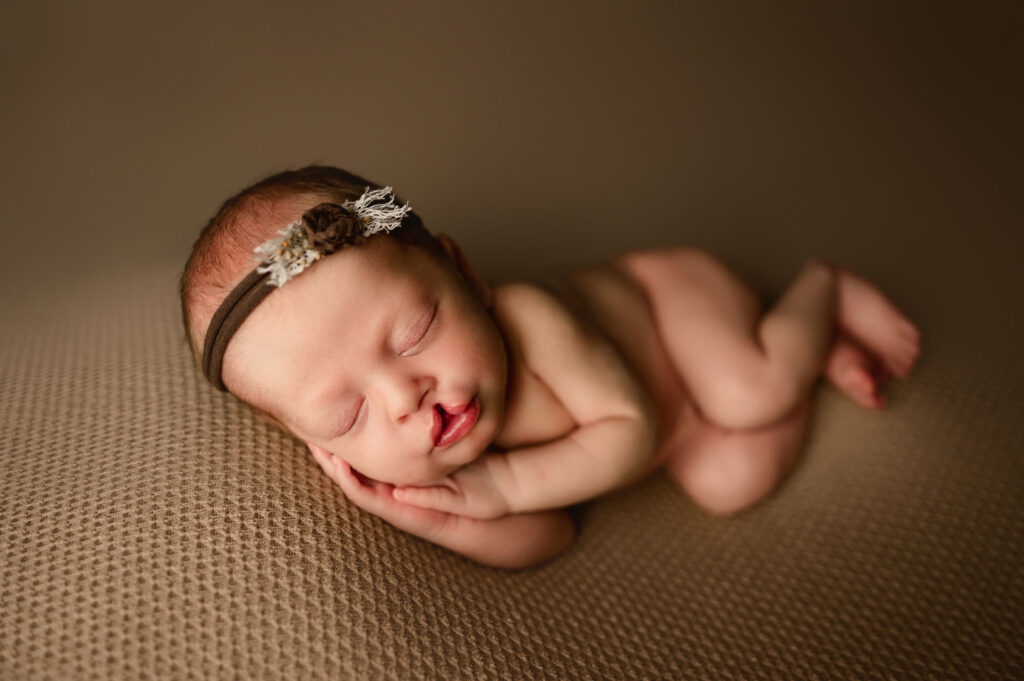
(554, 531)
(542, 551)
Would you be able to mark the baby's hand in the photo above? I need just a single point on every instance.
(477, 490)
(378, 498)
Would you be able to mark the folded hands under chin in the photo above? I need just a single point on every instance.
(431, 511)
(481, 489)
(378, 498)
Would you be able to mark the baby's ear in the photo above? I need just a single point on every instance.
(482, 288)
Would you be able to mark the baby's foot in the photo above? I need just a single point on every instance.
(876, 323)
(851, 370)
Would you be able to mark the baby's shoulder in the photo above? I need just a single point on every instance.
(528, 313)
(520, 297)
(576, 361)
(549, 334)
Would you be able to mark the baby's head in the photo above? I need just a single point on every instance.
(383, 352)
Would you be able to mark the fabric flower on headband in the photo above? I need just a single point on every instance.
(326, 228)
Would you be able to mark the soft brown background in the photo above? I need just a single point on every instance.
(540, 134)
(151, 528)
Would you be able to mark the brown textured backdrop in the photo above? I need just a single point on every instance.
(150, 528)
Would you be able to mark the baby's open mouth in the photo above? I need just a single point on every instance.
(451, 424)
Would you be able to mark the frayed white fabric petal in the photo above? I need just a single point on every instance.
(378, 217)
(290, 253)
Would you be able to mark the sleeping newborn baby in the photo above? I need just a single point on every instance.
(472, 415)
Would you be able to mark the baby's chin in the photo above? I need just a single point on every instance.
(420, 481)
(435, 478)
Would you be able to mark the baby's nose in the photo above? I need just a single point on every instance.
(408, 397)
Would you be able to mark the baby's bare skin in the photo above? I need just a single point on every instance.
(659, 358)
(729, 387)
(683, 320)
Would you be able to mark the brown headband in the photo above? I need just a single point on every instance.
(226, 320)
(322, 230)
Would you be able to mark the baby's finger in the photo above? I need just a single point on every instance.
(326, 460)
(377, 498)
(372, 495)
(340, 473)
(437, 498)
(349, 479)
(365, 493)
(355, 481)
(318, 455)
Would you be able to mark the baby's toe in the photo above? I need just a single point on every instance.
(862, 386)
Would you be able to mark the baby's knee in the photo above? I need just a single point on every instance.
(722, 490)
(728, 474)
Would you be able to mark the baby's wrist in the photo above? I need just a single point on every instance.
(502, 478)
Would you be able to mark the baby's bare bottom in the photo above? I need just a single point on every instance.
(750, 372)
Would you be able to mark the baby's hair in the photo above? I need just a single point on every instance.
(223, 253)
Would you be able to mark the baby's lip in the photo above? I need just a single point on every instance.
(437, 425)
(455, 409)
(451, 425)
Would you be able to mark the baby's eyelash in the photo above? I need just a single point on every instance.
(352, 421)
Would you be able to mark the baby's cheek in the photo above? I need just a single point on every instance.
(377, 458)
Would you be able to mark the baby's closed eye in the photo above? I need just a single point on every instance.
(417, 332)
(349, 418)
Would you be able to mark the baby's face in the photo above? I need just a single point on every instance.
(381, 354)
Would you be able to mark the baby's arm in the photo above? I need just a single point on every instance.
(514, 541)
(612, 446)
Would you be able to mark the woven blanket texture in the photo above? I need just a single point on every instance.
(153, 528)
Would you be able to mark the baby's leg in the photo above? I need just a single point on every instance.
(726, 470)
(743, 369)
